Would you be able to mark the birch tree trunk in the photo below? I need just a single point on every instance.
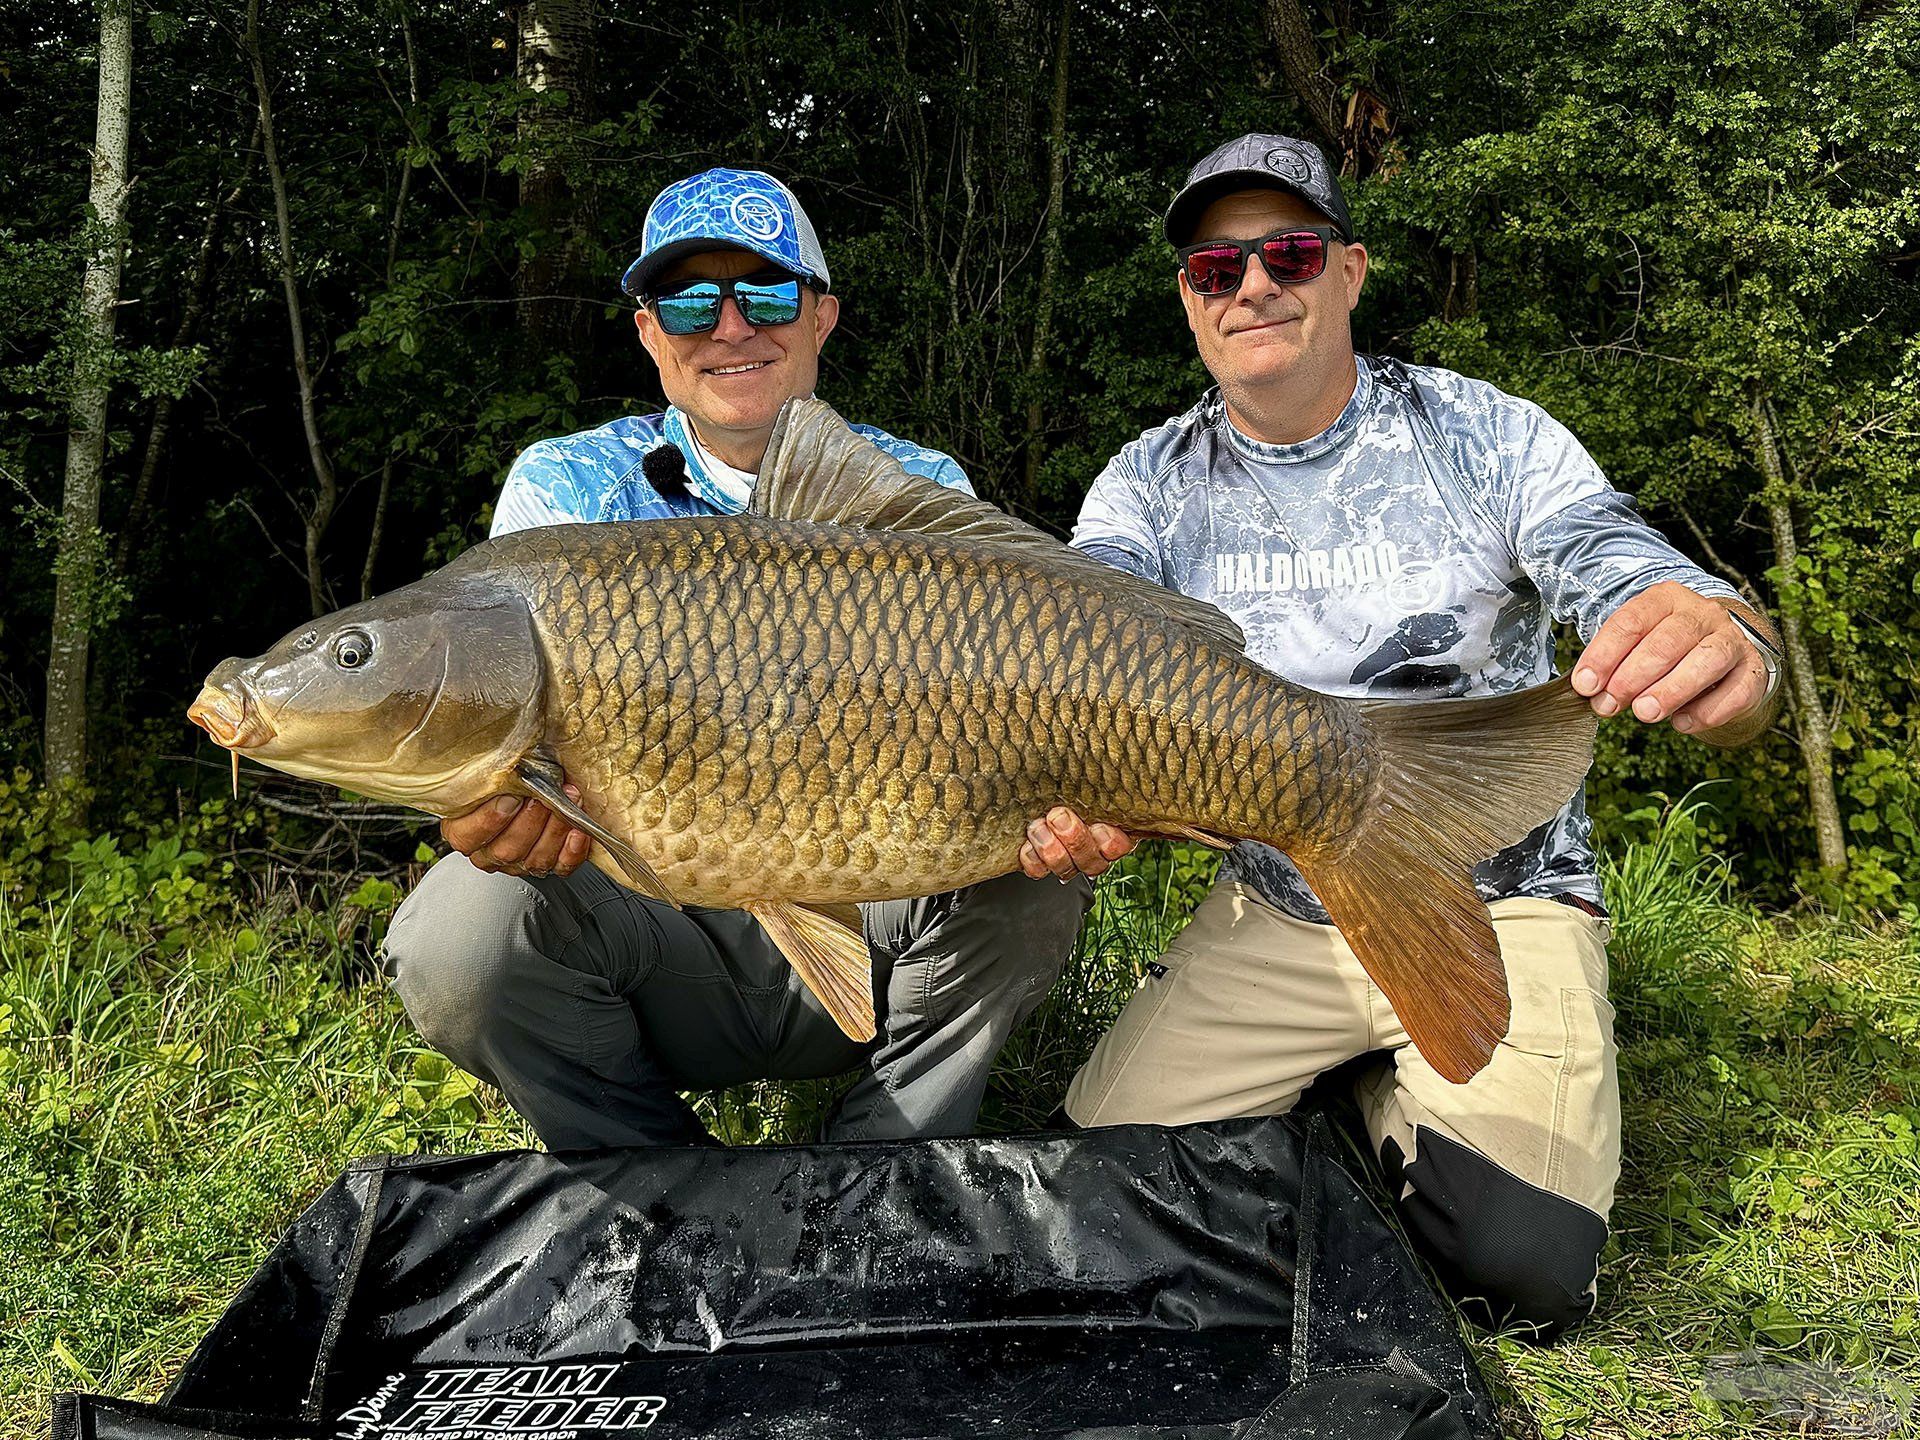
(1811, 730)
(79, 569)
(556, 60)
(326, 487)
(1049, 261)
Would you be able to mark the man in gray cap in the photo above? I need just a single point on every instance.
(1380, 529)
(591, 1007)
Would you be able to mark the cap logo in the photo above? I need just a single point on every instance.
(757, 216)
(1290, 165)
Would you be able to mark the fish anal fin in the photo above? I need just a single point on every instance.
(1424, 935)
(541, 778)
(832, 960)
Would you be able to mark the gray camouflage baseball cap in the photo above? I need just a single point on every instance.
(1253, 162)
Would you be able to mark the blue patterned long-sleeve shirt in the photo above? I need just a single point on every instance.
(597, 475)
(1422, 545)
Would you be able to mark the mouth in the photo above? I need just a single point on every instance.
(232, 722)
(1265, 325)
(747, 369)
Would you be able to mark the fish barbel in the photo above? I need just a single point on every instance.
(865, 687)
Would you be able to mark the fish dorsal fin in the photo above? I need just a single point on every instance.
(818, 470)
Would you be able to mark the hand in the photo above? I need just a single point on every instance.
(1061, 844)
(510, 835)
(1670, 654)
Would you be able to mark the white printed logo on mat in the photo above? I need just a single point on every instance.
(552, 1402)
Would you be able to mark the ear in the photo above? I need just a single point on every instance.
(826, 315)
(1189, 302)
(1353, 264)
(651, 335)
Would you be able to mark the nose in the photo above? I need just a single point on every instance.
(1255, 282)
(732, 325)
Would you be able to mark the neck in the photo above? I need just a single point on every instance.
(742, 449)
(1295, 408)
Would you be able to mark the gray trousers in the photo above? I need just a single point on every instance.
(591, 1007)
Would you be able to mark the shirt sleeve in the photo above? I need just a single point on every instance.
(1583, 543)
(1114, 524)
(538, 490)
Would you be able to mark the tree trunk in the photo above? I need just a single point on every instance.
(1811, 729)
(1305, 71)
(1049, 262)
(326, 487)
(379, 527)
(197, 292)
(556, 60)
(78, 567)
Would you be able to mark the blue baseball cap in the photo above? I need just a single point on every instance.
(719, 207)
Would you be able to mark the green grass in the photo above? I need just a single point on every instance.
(163, 1119)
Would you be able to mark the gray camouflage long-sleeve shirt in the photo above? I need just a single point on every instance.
(1422, 545)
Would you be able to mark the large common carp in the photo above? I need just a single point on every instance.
(866, 686)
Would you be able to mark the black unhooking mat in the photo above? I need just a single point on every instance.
(1209, 1282)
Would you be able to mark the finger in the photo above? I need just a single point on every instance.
(1053, 855)
(1736, 694)
(512, 845)
(1113, 841)
(1082, 845)
(545, 854)
(1696, 672)
(579, 845)
(1616, 638)
(1031, 863)
(473, 830)
(1659, 650)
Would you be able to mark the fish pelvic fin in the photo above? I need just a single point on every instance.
(1457, 780)
(832, 959)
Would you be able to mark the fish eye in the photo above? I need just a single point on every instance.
(353, 649)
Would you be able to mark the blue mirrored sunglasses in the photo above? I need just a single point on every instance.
(694, 308)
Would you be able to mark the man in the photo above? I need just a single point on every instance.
(1379, 529)
(591, 1006)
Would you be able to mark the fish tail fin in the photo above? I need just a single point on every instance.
(1457, 781)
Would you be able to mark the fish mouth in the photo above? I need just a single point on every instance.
(229, 718)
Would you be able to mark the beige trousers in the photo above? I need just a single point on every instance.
(1249, 1005)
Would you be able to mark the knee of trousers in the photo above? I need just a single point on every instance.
(1024, 929)
(453, 948)
(1514, 1255)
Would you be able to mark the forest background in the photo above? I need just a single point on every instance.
(346, 259)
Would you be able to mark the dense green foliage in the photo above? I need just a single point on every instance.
(1688, 227)
(163, 1117)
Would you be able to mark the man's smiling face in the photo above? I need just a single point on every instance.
(1265, 332)
(733, 380)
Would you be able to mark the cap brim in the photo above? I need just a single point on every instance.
(648, 268)
(1185, 211)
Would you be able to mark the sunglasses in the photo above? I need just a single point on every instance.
(694, 308)
(1291, 257)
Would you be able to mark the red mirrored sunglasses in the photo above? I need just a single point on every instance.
(1292, 257)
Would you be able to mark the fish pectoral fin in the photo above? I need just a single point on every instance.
(542, 779)
(1423, 934)
(832, 959)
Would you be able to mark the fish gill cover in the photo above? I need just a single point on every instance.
(1219, 1282)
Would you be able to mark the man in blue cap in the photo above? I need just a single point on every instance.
(591, 1007)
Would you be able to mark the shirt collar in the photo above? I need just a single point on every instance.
(678, 432)
(1332, 438)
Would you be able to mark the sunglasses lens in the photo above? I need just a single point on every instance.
(1214, 271)
(1294, 259)
(777, 304)
(689, 311)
